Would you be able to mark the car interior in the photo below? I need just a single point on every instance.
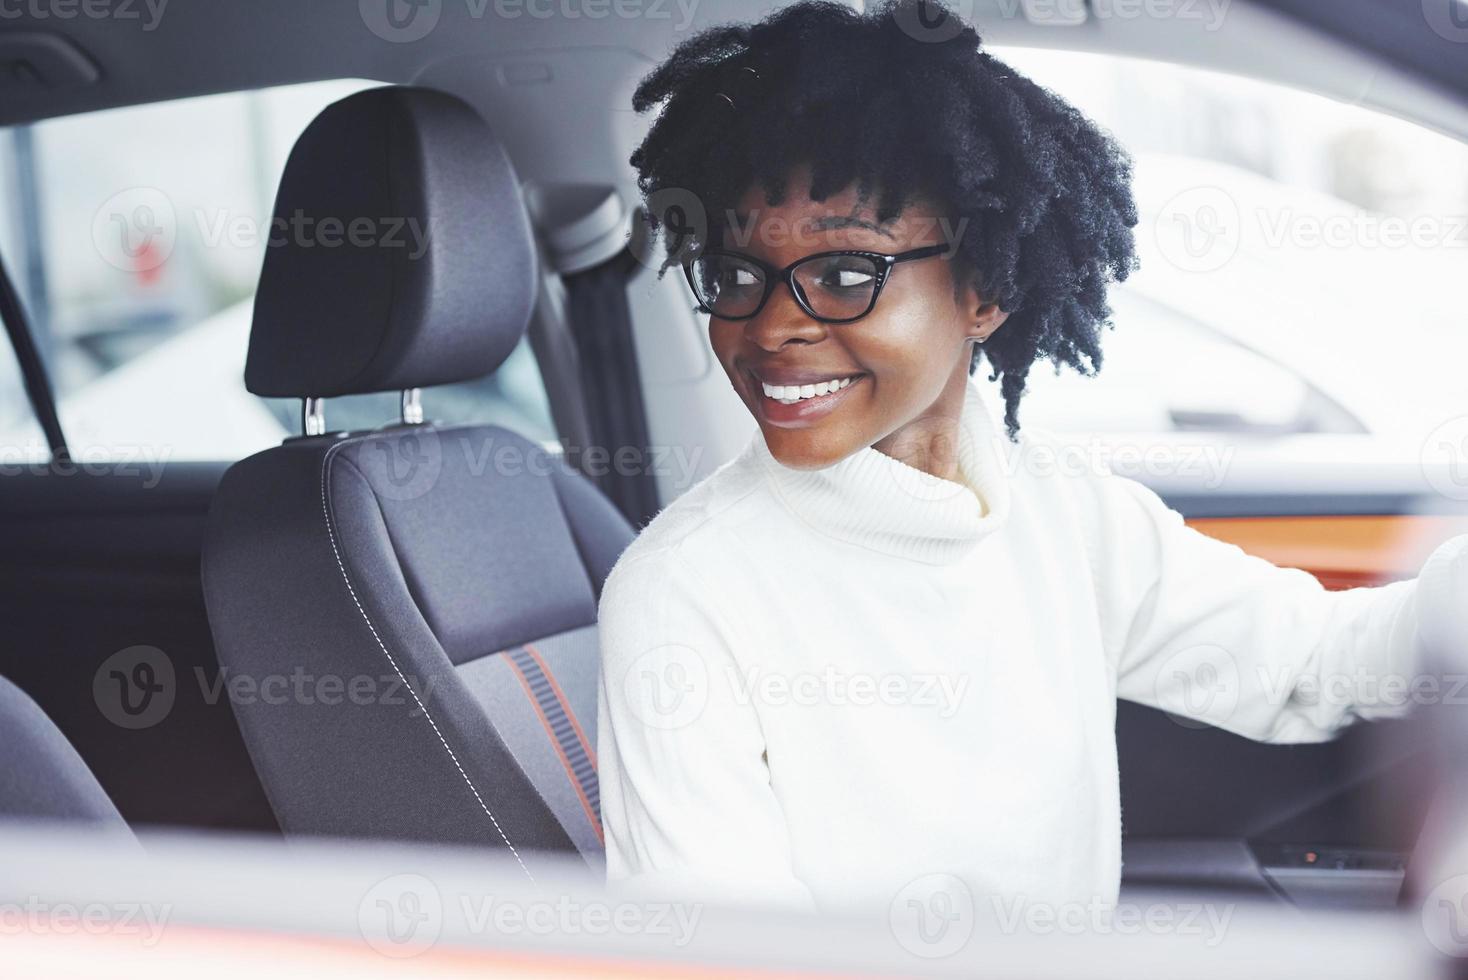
(144, 606)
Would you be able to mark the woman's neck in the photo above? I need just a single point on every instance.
(930, 441)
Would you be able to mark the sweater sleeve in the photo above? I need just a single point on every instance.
(1199, 628)
(687, 804)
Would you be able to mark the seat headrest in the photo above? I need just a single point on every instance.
(400, 254)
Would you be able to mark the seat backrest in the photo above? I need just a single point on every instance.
(42, 777)
(405, 617)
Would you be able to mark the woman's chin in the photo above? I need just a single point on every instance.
(800, 450)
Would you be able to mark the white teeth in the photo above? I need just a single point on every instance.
(789, 394)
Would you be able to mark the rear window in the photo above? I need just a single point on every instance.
(135, 237)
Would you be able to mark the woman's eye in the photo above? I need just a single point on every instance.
(846, 278)
(736, 277)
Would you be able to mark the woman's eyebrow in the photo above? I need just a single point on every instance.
(849, 221)
(827, 223)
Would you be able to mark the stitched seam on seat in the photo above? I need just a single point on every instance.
(341, 566)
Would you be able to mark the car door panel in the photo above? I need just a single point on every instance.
(100, 560)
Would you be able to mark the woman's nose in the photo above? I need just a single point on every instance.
(782, 321)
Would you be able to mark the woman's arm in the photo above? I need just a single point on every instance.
(1199, 628)
(686, 798)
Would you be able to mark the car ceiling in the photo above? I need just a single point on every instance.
(1428, 38)
(205, 46)
(196, 47)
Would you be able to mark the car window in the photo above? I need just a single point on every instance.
(1302, 261)
(135, 237)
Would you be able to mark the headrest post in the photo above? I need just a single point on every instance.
(412, 406)
(313, 416)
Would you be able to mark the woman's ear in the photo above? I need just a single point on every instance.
(983, 317)
(988, 318)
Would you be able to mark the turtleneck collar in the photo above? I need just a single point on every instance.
(873, 500)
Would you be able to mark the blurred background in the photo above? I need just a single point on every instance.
(1302, 262)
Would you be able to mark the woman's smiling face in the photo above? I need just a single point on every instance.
(907, 360)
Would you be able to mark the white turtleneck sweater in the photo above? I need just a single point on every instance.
(818, 686)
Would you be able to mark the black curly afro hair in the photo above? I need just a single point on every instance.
(903, 102)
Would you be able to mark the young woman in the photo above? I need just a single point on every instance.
(887, 639)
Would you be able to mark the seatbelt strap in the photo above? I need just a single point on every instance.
(601, 322)
(32, 369)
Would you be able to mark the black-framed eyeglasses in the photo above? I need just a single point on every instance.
(832, 287)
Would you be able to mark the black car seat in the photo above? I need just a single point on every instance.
(42, 778)
(449, 574)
